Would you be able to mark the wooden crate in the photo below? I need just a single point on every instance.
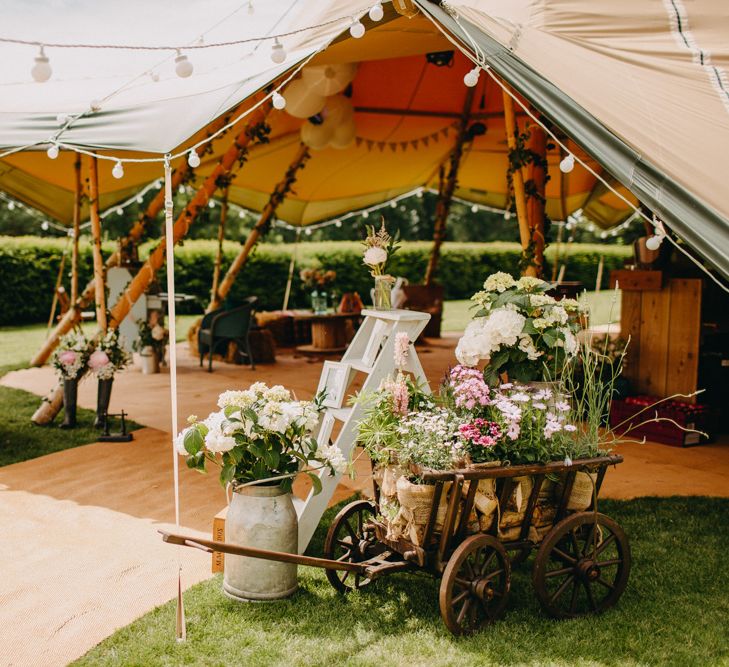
(664, 327)
(636, 281)
(218, 558)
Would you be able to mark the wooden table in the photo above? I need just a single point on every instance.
(330, 333)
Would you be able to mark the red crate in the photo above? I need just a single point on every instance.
(632, 410)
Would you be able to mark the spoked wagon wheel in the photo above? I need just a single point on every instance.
(582, 567)
(351, 540)
(475, 584)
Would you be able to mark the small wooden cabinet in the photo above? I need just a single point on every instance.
(664, 326)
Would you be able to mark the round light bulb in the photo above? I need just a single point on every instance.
(393, 204)
(62, 118)
(357, 29)
(45, 225)
(193, 159)
(507, 215)
(154, 76)
(603, 235)
(181, 190)
(183, 67)
(307, 232)
(118, 170)
(241, 214)
(366, 214)
(567, 164)
(211, 203)
(158, 185)
(376, 12)
(279, 101)
(41, 70)
(95, 105)
(338, 223)
(120, 211)
(251, 9)
(654, 242)
(140, 199)
(278, 54)
(52, 151)
(419, 194)
(471, 78)
(474, 209)
(11, 206)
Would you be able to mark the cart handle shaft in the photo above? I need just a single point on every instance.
(279, 556)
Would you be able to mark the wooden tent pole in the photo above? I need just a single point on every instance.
(277, 196)
(86, 298)
(76, 228)
(445, 196)
(535, 205)
(99, 273)
(221, 238)
(59, 280)
(226, 166)
(231, 158)
(517, 178)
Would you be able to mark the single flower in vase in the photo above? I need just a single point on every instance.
(379, 249)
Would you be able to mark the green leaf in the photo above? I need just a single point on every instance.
(529, 327)
(227, 474)
(193, 441)
(316, 482)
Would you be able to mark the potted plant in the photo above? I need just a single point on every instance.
(379, 249)
(108, 357)
(260, 438)
(316, 280)
(69, 360)
(520, 331)
(151, 345)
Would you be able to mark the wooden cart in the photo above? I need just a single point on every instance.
(582, 563)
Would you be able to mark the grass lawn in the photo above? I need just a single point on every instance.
(604, 309)
(19, 344)
(20, 440)
(673, 613)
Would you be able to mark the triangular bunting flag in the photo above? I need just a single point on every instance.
(435, 136)
(370, 144)
(404, 145)
(414, 143)
(393, 146)
(358, 141)
(426, 141)
(381, 145)
(445, 131)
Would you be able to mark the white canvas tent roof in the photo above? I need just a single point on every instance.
(642, 86)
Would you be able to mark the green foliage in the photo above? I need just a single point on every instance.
(29, 266)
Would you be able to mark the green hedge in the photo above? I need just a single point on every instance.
(29, 265)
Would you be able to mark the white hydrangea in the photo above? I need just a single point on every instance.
(498, 282)
(571, 345)
(530, 282)
(277, 393)
(240, 399)
(332, 455)
(570, 305)
(538, 300)
(219, 437)
(485, 335)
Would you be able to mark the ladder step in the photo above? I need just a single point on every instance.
(358, 365)
(342, 414)
(299, 505)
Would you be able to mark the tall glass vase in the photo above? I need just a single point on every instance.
(383, 292)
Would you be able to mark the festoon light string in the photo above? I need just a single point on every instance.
(478, 57)
(181, 632)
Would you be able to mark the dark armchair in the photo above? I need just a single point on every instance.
(225, 325)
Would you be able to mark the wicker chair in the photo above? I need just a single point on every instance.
(226, 325)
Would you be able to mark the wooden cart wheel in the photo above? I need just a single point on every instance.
(350, 539)
(475, 584)
(582, 567)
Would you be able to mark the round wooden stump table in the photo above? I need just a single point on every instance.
(330, 333)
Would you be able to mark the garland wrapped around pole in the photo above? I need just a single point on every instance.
(445, 196)
(76, 228)
(261, 226)
(99, 273)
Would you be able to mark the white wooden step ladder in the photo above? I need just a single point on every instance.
(370, 352)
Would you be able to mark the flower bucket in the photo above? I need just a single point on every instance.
(262, 517)
(70, 396)
(149, 361)
(582, 491)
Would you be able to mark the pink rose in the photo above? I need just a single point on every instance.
(98, 359)
(67, 357)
